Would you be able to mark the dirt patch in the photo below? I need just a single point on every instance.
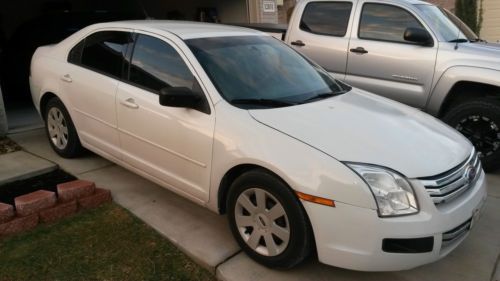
(7, 146)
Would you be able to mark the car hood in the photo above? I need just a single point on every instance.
(473, 54)
(361, 127)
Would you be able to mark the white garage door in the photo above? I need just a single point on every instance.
(490, 30)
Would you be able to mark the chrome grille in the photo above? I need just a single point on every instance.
(452, 235)
(447, 186)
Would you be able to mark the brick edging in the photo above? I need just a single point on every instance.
(44, 206)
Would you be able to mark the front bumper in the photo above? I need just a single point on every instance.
(351, 237)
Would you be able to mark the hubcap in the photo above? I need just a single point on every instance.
(483, 132)
(262, 222)
(58, 128)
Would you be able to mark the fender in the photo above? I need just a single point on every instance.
(457, 74)
(301, 166)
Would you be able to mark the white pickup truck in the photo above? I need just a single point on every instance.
(410, 51)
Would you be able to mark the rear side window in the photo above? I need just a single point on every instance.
(326, 18)
(104, 52)
(385, 23)
(156, 65)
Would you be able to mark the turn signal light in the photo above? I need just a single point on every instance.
(315, 199)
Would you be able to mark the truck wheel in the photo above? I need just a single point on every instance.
(268, 220)
(60, 129)
(479, 121)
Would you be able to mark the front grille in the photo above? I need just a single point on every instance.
(450, 236)
(449, 185)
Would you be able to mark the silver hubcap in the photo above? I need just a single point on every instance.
(58, 128)
(262, 222)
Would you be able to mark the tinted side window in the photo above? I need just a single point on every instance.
(156, 65)
(385, 22)
(105, 52)
(326, 18)
(75, 55)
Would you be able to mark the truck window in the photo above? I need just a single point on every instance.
(326, 18)
(383, 22)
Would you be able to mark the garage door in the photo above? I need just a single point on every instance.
(491, 21)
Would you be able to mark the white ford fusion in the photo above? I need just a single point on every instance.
(240, 123)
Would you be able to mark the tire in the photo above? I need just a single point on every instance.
(60, 130)
(288, 252)
(479, 121)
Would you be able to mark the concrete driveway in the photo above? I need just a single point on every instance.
(206, 238)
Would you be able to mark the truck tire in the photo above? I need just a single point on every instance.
(479, 121)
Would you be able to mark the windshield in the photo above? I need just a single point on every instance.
(261, 69)
(440, 23)
(460, 24)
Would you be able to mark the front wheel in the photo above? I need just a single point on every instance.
(268, 220)
(479, 121)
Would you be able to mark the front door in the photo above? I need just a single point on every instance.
(173, 145)
(382, 62)
(323, 34)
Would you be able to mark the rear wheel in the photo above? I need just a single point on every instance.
(268, 220)
(479, 121)
(60, 130)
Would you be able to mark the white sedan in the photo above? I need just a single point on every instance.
(240, 123)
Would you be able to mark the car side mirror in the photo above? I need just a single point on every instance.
(180, 97)
(419, 36)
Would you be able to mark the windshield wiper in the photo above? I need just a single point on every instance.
(459, 40)
(324, 96)
(263, 102)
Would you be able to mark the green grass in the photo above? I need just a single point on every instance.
(107, 243)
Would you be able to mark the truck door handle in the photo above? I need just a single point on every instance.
(298, 43)
(130, 103)
(67, 78)
(359, 50)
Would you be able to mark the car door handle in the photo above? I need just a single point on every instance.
(130, 103)
(359, 50)
(67, 78)
(298, 43)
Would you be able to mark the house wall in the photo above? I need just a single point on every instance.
(257, 14)
(447, 4)
(490, 30)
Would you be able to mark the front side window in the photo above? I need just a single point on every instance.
(385, 23)
(261, 69)
(156, 65)
(326, 18)
(105, 52)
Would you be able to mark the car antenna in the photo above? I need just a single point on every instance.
(458, 35)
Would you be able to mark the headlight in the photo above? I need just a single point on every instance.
(393, 193)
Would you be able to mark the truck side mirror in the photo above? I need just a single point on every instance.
(419, 36)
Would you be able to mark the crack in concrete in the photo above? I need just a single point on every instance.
(495, 268)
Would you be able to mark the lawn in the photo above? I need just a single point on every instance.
(107, 243)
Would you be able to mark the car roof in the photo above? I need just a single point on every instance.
(183, 29)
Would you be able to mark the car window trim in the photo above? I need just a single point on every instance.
(94, 69)
(326, 34)
(130, 55)
(391, 41)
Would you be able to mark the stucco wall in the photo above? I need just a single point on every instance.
(447, 4)
(490, 30)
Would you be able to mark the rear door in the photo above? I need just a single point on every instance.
(170, 144)
(323, 33)
(90, 81)
(381, 61)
